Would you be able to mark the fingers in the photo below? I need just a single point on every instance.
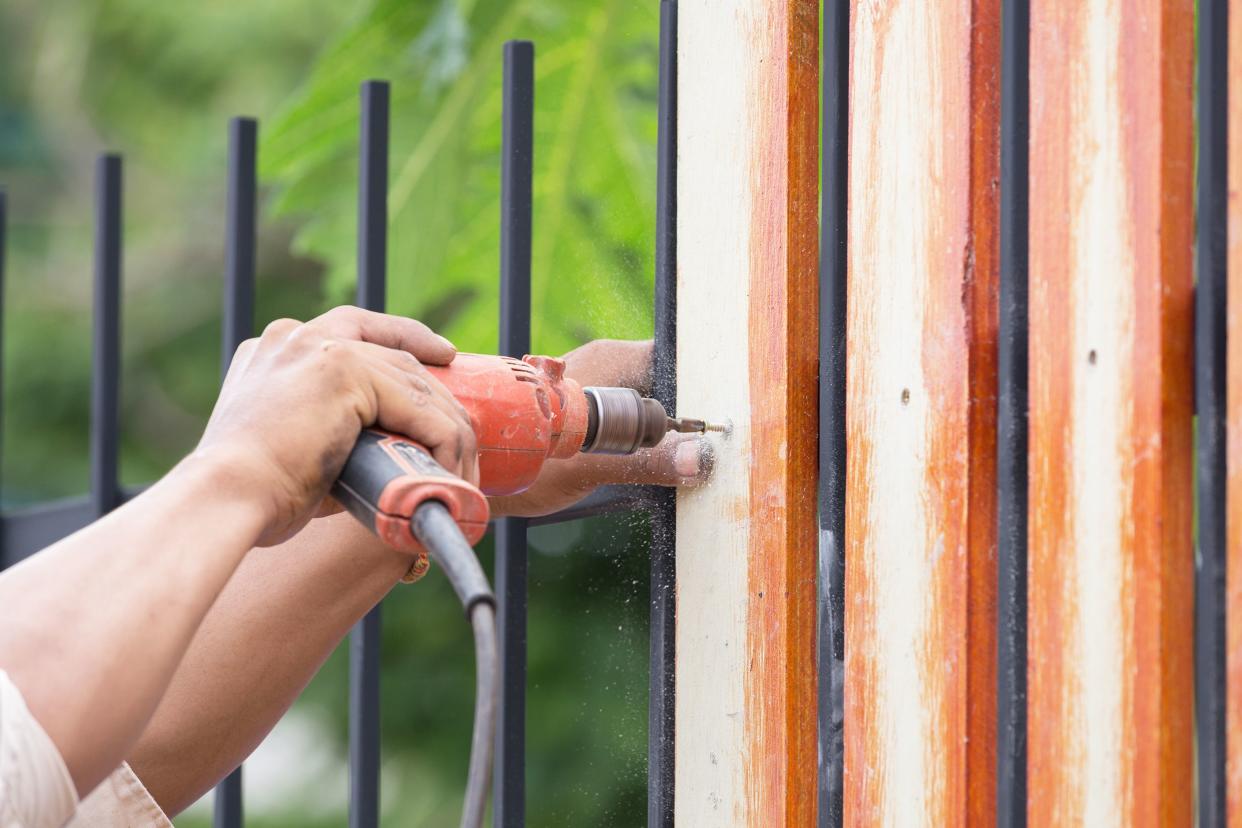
(429, 390)
(679, 460)
(399, 333)
(612, 362)
(405, 408)
(381, 358)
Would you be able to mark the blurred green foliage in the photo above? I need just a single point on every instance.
(596, 68)
(157, 82)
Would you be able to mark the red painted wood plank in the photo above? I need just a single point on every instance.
(780, 684)
(1111, 563)
(921, 413)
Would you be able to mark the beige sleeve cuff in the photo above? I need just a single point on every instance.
(121, 801)
(36, 790)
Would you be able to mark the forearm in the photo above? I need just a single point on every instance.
(97, 624)
(282, 613)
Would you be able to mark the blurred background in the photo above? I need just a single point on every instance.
(157, 81)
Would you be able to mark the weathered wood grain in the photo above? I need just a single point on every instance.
(1233, 518)
(1111, 566)
(921, 413)
(747, 345)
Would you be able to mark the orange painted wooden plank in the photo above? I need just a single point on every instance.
(920, 529)
(1233, 518)
(1111, 562)
(748, 87)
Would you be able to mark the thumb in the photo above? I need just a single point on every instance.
(679, 460)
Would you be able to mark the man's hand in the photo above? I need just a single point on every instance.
(296, 398)
(680, 460)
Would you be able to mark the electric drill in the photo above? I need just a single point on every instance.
(523, 413)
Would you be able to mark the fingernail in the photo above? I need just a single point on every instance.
(694, 459)
(446, 343)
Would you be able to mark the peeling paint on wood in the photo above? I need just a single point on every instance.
(1111, 566)
(747, 345)
(921, 413)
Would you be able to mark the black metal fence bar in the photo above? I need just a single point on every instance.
(832, 450)
(237, 326)
(1011, 447)
(661, 708)
(1210, 399)
(106, 347)
(364, 644)
(240, 234)
(516, 172)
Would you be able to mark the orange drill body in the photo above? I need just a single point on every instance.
(523, 412)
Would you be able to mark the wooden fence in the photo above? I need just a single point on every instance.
(1016, 610)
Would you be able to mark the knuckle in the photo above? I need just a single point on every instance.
(280, 328)
(418, 396)
(340, 319)
(305, 337)
(340, 312)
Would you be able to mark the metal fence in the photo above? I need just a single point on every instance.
(25, 531)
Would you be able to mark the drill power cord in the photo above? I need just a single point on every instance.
(435, 529)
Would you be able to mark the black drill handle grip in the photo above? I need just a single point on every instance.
(388, 476)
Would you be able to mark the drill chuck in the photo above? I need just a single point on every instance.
(621, 421)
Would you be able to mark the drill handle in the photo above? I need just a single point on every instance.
(387, 477)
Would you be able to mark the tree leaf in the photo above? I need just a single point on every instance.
(594, 190)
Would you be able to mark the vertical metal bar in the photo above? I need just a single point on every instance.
(239, 241)
(373, 196)
(661, 707)
(106, 348)
(516, 171)
(832, 299)
(364, 642)
(238, 325)
(1210, 401)
(1011, 449)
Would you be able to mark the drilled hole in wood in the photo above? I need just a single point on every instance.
(1092, 357)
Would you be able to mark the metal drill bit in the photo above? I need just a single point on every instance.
(686, 425)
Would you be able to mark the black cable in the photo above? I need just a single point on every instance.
(436, 530)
